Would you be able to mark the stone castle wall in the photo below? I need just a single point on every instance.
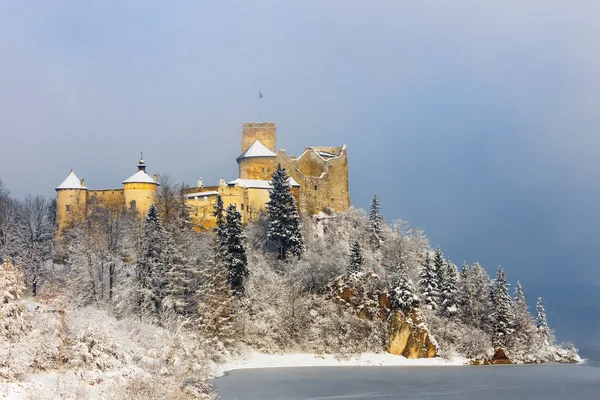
(324, 182)
(265, 132)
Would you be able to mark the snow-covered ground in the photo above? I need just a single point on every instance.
(261, 360)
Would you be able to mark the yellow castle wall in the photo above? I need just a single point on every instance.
(144, 195)
(257, 168)
(71, 206)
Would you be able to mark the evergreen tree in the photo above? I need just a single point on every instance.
(151, 265)
(356, 258)
(503, 315)
(523, 325)
(474, 298)
(440, 267)
(376, 223)
(541, 323)
(448, 297)
(182, 277)
(428, 284)
(403, 295)
(216, 304)
(233, 250)
(218, 212)
(284, 222)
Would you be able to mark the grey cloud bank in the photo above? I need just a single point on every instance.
(472, 120)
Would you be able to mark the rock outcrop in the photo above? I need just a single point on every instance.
(366, 294)
(409, 336)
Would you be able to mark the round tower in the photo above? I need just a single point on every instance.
(139, 190)
(71, 201)
(257, 162)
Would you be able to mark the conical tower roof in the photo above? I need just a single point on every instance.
(71, 182)
(257, 150)
(140, 176)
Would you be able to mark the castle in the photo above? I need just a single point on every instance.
(318, 180)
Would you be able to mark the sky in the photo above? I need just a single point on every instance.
(476, 121)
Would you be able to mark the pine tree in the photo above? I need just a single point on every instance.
(233, 250)
(282, 214)
(523, 324)
(474, 298)
(448, 297)
(376, 223)
(151, 265)
(215, 301)
(403, 295)
(503, 315)
(356, 258)
(541, 323)
(428, 283)
(182, 277)
(219, 214)
(439, 265)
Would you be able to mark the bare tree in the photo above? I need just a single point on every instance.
(33, 237)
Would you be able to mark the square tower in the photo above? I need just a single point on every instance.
(264, 132)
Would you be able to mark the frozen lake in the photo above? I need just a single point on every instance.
(549, 382)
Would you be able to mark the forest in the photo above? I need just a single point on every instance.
(153, 302)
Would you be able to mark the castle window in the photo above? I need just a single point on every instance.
(263, 170)
(242, 207)
(68, 207)
(133, 205)
(315, 187)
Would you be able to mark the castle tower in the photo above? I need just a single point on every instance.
(71, 201)
(139, 190)
(264, 132)
(257, 162)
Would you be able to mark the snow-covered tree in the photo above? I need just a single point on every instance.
(356, 258)
(428, 284)
(376, 223)
(523, 323)
(440, 267)
(12, 286)
(182, 276)
(449, 289)
(33, 237)
(402, 293)
(284, 222)
(474, 297)
(151, 267)
(234, 251)
(219, 214)
(504, 317)
(215, 301)
(541, 322)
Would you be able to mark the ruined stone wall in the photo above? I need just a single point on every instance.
(329, 189)
(265, 132)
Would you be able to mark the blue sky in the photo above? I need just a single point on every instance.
(475, 121)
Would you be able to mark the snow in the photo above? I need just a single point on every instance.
(71, 182)
(257, 150)
(140, 177)
(202, 194)
(261, 360)
(257, 183)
